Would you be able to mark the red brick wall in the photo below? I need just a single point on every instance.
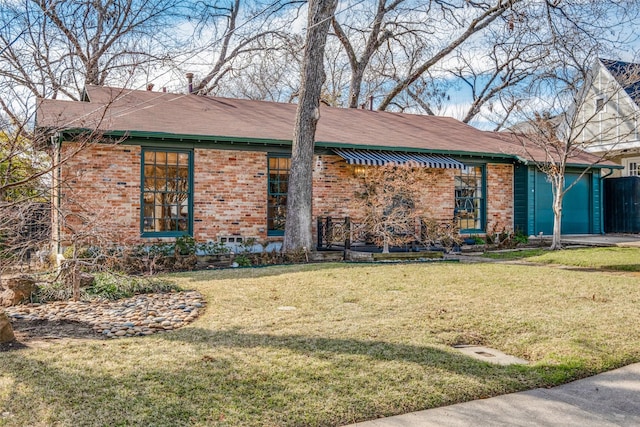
(230, 194)
(499, 197)
(334, 184)
(100, 193)
(101, 187)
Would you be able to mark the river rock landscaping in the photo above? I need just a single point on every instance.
(140, 315)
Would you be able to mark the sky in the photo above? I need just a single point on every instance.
(200, 61)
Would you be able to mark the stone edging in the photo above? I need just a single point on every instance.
(140, 315)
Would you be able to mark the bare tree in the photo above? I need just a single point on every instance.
(378, 34)
(52, 49)
(299, 197)
(244, 35)
(462, 26)
(403, 37)
(511, 59)
(24, 176)
(558, 41)
(412, 55)
(388, 203)
(272, 74)
(596, 119)
(29, 162)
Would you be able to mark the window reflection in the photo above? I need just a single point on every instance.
(469, 198)
(166, 191)
(278, 186)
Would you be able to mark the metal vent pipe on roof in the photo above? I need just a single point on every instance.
(190, 81)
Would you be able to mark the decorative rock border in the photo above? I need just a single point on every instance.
(140, 315)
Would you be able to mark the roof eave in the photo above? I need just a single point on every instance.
(581, 165)
(594, 165)
(165, 136)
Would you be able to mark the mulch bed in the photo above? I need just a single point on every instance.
(29, 331)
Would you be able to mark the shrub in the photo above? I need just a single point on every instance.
(185, 245)
(106, 285)
(88, 252)
(444, 233)
(243, 260)
(520, 237)
(212, 248)
(502, 237)
(115, 286)
(477, 240)
(54, 291)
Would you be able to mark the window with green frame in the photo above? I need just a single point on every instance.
(277, 188)
(469, 198)
(167, 181)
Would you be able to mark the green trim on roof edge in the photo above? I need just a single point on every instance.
(596, 166)
(210, 141)
(195, 138)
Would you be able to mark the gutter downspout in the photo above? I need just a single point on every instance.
(602, 198)
(56, 141)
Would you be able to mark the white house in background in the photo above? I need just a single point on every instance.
(608, 115)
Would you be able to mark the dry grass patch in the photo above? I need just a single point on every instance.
(363, 341)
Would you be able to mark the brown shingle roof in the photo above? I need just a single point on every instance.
(112, 109)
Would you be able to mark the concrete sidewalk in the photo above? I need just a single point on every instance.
(608, 399)
(622, 240)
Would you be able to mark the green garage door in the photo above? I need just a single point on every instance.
(576, 207)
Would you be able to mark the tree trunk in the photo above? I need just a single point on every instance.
(355, 85)
(298, 234)
(558, 195)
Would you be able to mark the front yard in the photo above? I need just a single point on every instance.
(332, 344)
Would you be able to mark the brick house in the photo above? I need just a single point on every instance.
(163, 165)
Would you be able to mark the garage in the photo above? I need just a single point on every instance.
(576, 206)
(534, 201)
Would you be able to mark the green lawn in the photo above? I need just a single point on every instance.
(623, 259)
(363, 341)
(609, 258)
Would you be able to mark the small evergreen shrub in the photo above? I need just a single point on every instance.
(106, 285)
(185, 245)
(212, 248)
(477, 240)
(113, 286)
(520, 237)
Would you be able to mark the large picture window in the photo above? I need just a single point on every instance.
(166, 192)
(278, 186)
(469, 198)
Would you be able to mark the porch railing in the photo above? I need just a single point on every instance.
(343, 234)
(334, 233)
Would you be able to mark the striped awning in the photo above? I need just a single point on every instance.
(381, 158)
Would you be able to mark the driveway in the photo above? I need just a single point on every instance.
(624, 240)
